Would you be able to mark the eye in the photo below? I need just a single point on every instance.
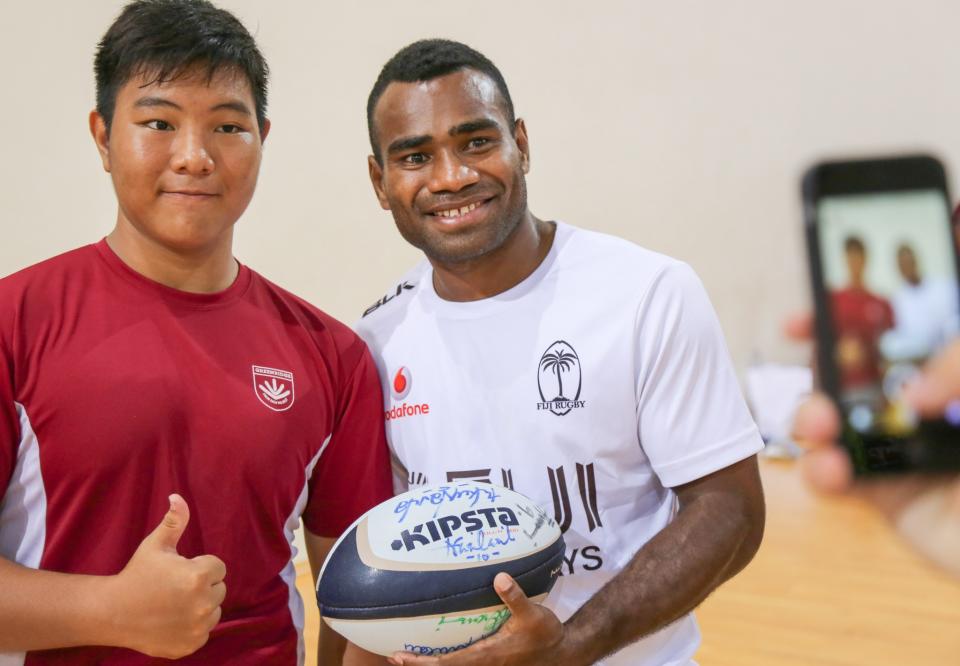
(230, 129)
(414, 158)
(477, 142)
(160, 125)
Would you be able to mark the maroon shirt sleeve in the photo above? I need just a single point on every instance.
(353, 474)
(9, 421)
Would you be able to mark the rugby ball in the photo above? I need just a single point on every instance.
(415, 573)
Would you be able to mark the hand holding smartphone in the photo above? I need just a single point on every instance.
(884, 267)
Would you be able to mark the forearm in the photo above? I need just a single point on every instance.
(709, 541)
(43, 609)
(330, 646)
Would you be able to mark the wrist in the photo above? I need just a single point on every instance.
(105, 611)
(571, 650)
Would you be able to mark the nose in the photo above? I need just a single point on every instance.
(191, 154)
(450, 173)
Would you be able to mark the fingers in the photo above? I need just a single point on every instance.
(816, 423)
(167, 534)
(219, 592)
(799, 326)
(214, 619)
(409, 659)
(939, 384)
(212, 566)
(512, 595)
(828, 469)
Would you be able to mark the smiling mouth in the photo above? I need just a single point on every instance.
(453, 213)
(189, 195)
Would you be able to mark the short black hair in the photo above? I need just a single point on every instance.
(162, 39)
(429, 59)
(853, 243)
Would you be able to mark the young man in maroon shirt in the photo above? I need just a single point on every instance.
(167, 416)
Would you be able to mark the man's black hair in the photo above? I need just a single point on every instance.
(162, 39)
(853, 243)
(429, 59)
(906, 246)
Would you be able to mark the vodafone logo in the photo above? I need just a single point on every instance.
(402, 381)
(400, 387)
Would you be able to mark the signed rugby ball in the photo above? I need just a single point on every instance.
(416, 572)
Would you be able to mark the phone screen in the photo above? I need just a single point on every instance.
(890, 274)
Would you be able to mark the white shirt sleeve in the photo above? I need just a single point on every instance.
(691, 415)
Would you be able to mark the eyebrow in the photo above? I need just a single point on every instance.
(406, 143)
(235, 105)
(474, 126)
(150, 102)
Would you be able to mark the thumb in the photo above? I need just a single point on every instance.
(939, 384)
(799, 326)
(512, 595)
(171, 528)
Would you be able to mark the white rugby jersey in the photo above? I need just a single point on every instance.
(593, 387)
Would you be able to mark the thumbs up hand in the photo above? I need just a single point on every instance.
(166, 605)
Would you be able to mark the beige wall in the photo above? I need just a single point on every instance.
(682, 126)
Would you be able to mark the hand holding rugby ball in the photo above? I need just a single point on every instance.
(415, 573)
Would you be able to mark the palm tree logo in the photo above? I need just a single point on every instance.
(558, 360)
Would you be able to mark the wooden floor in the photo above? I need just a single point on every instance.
(831, 586)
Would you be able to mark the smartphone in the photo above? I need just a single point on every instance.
(884, 266)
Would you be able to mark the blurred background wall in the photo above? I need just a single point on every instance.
(683, 126)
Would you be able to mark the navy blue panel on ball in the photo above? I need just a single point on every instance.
(350, 590)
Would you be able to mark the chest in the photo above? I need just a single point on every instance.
(201, 393)
(511, 398)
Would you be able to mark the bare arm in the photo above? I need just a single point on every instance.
(715, 534)
(42, 609)
(332, 648)
(161, 604)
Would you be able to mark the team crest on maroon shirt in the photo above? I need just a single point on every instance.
(274, 388)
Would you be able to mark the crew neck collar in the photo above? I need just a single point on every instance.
(485, 306)
(191, 299)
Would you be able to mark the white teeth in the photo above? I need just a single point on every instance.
(455, 212)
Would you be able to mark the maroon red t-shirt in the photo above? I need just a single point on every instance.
(863, 316)
(116, 391)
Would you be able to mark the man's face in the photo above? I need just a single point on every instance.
(856, 263)
(184, 158)
(453, 172)
(907, 263)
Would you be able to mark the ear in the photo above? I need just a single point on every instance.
(523, 143)
(376, 179)
(265, 131)
(101, 137)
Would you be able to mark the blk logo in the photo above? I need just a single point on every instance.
(274, 388)
(402, 381)
(402, 287)
(559, 379)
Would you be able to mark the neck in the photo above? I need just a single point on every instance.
(499, 270)
(202, 271)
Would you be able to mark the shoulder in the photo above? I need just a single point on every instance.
(329, 335)
(391, 307)
(615, 264)
(47, 274)
(604, 253)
